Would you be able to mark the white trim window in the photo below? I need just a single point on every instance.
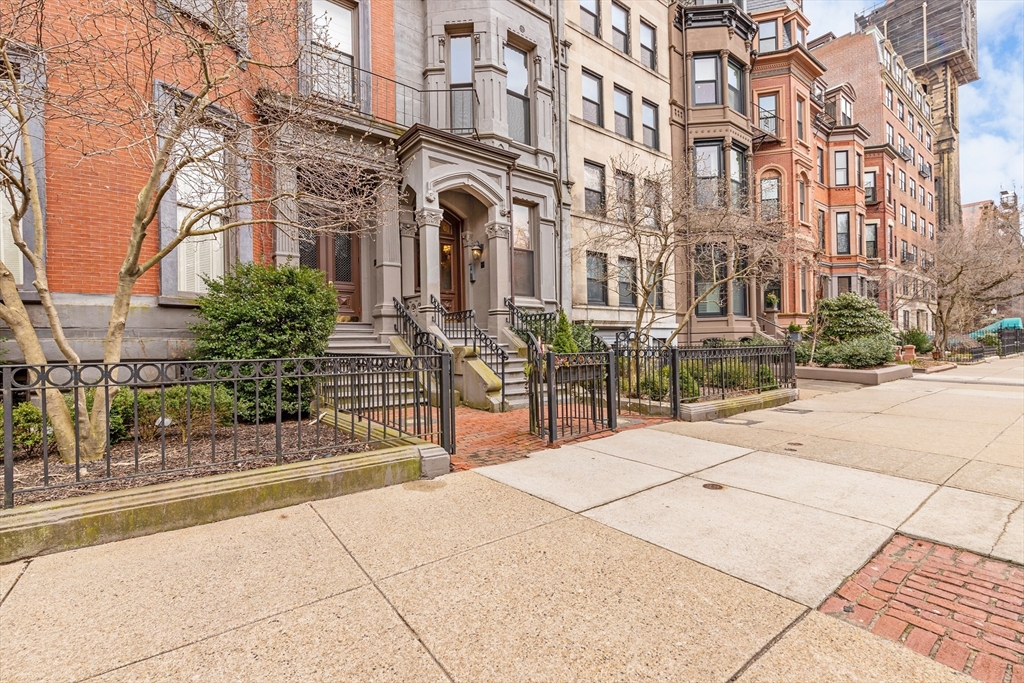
(201, 193)
(334, 50)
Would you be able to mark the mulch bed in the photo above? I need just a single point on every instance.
(232, 449)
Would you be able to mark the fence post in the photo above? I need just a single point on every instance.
(673, 382)
(721, 365)
(447, 423)
(9, 439)
(552, 398)
(613, 393)
(277, 410)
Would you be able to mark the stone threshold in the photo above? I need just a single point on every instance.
(93, 519)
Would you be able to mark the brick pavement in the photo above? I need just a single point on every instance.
(483, 438)
(961, 609)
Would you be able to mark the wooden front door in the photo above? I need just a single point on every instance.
(451, 263)
(337, 255)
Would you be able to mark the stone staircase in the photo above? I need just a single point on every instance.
(357, 339)
(516, 392)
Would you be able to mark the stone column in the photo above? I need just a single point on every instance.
(429, 222)
(408, 233)
(388, 259)
(500, 269)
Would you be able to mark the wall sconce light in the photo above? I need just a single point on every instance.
(478, 250)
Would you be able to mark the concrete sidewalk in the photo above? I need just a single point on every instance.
(686, 552)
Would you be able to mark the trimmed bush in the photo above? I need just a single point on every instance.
(119, 428)
(656, 385)
(28, 427)
(187, 405)
(917, 337)
(989, 339)
(766, 378)
(581, 333)
(688, 387)
(864, 352)
(259, 311)
(849, 316)
(563, 341)
(803, 352)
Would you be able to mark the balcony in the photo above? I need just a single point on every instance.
(333, 78)
(905, 152)
(925, 170)
(767, 125)
(908, 257)
(871, 195)
(818, 93)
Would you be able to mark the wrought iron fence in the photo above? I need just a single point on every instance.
(462, 325)
(1011, 342)
(571, 394)
(74, 429)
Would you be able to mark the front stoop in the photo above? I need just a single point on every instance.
(54, 526)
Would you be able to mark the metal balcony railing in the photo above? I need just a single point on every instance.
(818, 93)
(925, 170)
(906, 153)
(767, 121)
(908, 257)
(333, 77)
(871, 195)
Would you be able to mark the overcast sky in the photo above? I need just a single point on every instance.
(991, 109)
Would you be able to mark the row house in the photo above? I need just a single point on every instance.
(898, 174)
(466, 98)
(621, 156)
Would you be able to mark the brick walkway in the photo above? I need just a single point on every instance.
(956, 607)
(484, 438)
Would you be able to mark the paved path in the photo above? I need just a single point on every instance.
(683, 552)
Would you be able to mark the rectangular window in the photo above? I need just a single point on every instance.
(737, 97)
(708, 170)
(920, 132)
(888, 187)
(625, 196)
(705, 80)
(931, 198)
(597, 278)
(620, 28)
(803, 289)
(738, 177)
(803, 207)
(888, 97)
(931, 231)
(652, 204)
(767, 37)
(845, 284)
(799, 118)
(801, 34)
(710, 266)
(913, 221)
(518, 90)
(593, 98)
(899, 109)
(593, 184)
(843, 232)
(860, 233)
(860, 170)
(822, 217)
(910, 122)
(928, 141)
(913, 189)
(770, 198)
(333, 47)
(655, 285)
(590, 16)
(9, 252)
(627, 282)
(649, 120)
(522, 251)
(648, 45)
(903, 215)
(768, 117)
(199, 187)
(623, 112)
(842, 169)
(847, 112)
(870, 192)
(821, 166)
(903, 181)
(889, 132)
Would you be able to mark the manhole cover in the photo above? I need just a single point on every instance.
(713, 487)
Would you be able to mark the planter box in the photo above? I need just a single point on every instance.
(889, 373)
(724, 407)
(935, 368)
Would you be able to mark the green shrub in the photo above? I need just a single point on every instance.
(119, 428)
(688, 387)
(563, 341)
(766, 378)
(917, 337)
(187, 405)
(849, 316)
(581, 333)
(692, 368)
(989, 339)
(803, 352)
(259, 311)
(655, 385)
(864, 352)
(28, 427)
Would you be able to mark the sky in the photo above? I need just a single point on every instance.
(991, 109)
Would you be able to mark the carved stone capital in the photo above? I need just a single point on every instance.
(408, 229)
(467, 239)
(498, 230)
(431, 217)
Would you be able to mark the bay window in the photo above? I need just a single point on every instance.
(843, 232)
(706, 80)
(518, 93)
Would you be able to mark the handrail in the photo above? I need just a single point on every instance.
(486, 347)
(414, 335)
(523, 323)
(765, 321)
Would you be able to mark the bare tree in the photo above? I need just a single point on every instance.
(976, 268)
(193, 98)
(670, 224)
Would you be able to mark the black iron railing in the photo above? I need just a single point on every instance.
(1011, 342)
(461, 325)
(541, 324)
(73, 429)
(333, 77)
(419, 340)
(571, 394)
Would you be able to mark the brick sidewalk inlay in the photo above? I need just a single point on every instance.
(961, 609)
(484, 438)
